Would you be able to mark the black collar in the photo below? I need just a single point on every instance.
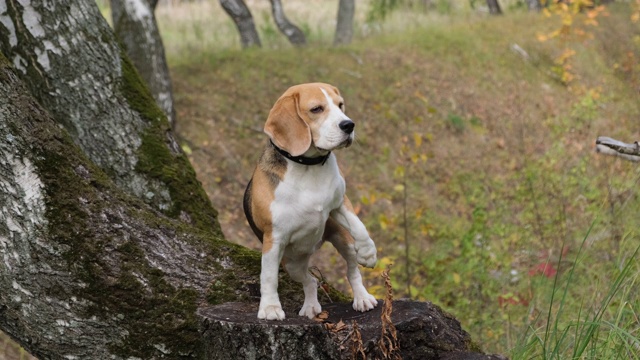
(303, 159)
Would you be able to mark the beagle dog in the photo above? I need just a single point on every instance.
(296, 198)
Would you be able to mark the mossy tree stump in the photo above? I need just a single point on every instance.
(424, 331)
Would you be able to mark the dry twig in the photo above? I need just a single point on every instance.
(388, 343)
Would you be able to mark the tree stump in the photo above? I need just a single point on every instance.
(424, 331)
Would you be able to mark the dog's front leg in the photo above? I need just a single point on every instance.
(270, 307)
(366, 253)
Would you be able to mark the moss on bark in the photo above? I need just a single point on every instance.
(161, 158)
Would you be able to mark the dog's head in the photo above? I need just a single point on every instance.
(309, 117)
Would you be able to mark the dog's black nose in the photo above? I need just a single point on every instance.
(347, 126)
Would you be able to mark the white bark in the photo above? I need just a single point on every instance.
(69, 58)
(292, 32)
(241, 16)
(135, 24)
(344, 26)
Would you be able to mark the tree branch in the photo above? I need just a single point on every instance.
(608, 146)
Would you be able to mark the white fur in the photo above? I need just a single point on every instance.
(303, 201)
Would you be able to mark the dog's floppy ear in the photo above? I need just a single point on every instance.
(286, 128)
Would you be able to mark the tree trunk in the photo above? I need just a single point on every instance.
(84, 271)
(135, 25)
(494, 7)
(292, 32)
(69, 58)
(534, 5)
(344, 27)
(241, 16)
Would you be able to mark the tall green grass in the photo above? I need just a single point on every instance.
(589, 328)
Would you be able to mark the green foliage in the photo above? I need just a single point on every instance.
(379, 9)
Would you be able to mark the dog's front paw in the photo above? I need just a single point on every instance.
(271, 312)
(366, 253)
(364, 302)
(310, 309)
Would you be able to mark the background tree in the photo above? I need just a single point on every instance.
(534, 5)
(344, 26)
(494, 7)
(136, 27)
(243, 19)
(292, 32)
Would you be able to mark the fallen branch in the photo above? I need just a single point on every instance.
(609, 146)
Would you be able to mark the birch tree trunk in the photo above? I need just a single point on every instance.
(241, 16)
(344, 26)
(70, 60)
(292, 32)
(494, 7)
(135, 25)
(534, 5)
(89, 272)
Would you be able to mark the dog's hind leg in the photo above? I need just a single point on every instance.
(298, 269)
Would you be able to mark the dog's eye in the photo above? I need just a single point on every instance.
(318, 109)
(341, 106)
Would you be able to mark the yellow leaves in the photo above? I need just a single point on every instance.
(383, 221)
(399, 188)
(186, 149)
(635, 14)
(421, 97)
(399, 171)
(574, 16)
(456, 278)
(417, 139)
(564, 57)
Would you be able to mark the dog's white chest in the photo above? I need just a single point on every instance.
(303, 201)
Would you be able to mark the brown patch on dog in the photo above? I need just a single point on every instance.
(348, 205)
(337, 234)
(285, 126)
(262, 185)
(260, 194)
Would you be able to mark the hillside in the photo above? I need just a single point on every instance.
(495, 152)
